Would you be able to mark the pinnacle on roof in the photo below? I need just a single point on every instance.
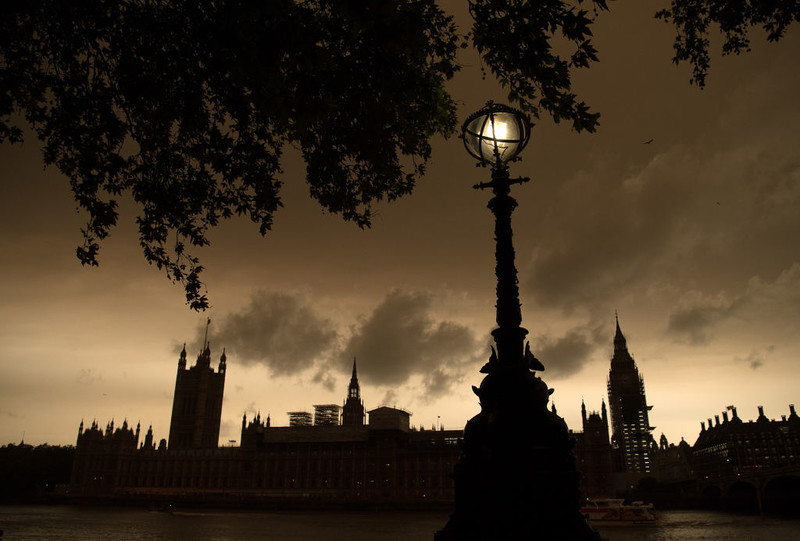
(619, 338)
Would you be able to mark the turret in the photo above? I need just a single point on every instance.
(583, 413)
(604, 413)
(223, 360)
(148, 438)
(182, 360)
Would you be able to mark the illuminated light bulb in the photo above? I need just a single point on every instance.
(494, 134)
(500, 129)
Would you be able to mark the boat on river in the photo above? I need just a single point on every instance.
(615, 512)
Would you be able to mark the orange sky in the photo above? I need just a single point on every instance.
(692, 238)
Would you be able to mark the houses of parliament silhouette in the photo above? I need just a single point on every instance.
(336, 458)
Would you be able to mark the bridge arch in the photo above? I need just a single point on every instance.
(741, 496)
(710, 497)
(782, 494)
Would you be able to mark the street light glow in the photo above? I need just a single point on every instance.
(496, 134)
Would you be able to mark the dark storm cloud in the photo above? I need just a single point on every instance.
(324, 378)
(401, 339)
(706, 209)
(756, 359)
(279, 330)
(606, 241)
(694, 321)
(778, 301)
(566, 355)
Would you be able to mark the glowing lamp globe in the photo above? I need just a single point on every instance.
(496, 134)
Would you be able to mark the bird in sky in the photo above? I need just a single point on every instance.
(647, 142)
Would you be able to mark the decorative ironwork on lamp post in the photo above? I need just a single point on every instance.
(516, 478)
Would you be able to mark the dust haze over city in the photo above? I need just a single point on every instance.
(679, 214)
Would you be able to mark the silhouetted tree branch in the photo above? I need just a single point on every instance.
(734, 19)
(185, 106)
(515, 40)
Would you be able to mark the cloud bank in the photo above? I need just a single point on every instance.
(281, 331)
(568, 354)
(400, 339)
(697, 317)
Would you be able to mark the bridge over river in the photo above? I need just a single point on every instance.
(766, 490)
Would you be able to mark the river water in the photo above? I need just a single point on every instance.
(29, 523)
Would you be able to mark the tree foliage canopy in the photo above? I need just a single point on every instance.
(734, 19)
(186, 106)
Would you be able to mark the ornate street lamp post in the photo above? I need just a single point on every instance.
(516, 478)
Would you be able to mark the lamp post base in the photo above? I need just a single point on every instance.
(517, 477)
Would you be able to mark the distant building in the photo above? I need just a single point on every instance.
(733, 447)
(100, 456)
(593, 455)
(672, 463)
(197, 402)
(384, 462)
(300, 418)
(327, 414)
(631, 434)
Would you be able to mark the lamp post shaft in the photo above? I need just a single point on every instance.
(509, 336)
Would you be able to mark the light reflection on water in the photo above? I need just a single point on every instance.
(32, 523)
(707, 525)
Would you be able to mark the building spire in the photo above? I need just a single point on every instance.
(353, 411)
(619, 338)
(354, 389)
